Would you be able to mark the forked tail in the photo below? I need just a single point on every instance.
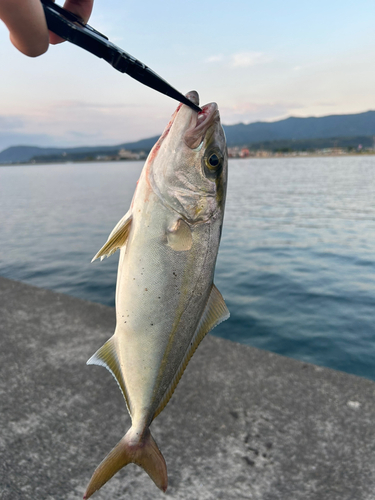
(142, 451)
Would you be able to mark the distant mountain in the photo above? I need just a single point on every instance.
(16, 154)
(361, 124)
(289, 145)
(19, 154)
(334, 126)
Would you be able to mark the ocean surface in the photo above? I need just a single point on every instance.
(296, 264)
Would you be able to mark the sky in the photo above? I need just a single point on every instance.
(260, 61)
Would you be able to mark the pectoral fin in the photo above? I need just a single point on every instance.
(214, 313)
(116, 239)
(179, 237)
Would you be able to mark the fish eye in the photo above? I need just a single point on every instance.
(213, 161)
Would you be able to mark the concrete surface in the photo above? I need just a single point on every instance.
(242, 424)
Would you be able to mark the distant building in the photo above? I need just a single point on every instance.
(244, 153)
(125, 154)
(261, 153)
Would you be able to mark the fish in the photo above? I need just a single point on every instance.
(166, 300)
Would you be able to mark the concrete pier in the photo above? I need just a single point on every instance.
(242, 424)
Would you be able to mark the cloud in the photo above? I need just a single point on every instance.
(328, 104)
(10, 123)
(78, 123)
(101, 107)
(250, 112)
(240, 59)
(24, 139)
(247, 59)
(213, 59)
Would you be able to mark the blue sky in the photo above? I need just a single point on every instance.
(258, 60)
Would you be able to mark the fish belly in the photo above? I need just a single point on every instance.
(161, 294)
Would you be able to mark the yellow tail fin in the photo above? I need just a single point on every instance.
(131, 449)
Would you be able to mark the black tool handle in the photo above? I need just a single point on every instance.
(72, 28)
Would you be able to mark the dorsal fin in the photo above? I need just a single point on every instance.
(117, 238)
(214, 313)
(107, 356)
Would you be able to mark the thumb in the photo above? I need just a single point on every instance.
(26, 24)
(81, 8)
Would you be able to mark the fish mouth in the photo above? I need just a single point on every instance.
(200, 122)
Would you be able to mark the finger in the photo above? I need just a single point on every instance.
(81, 8)
(26, 24)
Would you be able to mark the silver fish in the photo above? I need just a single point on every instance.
(166, 301)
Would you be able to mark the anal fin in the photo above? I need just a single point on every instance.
(214, 313)
(117, 238)
(107, 356)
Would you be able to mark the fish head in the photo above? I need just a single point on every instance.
(188, 165)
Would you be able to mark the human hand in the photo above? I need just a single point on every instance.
(27, 25)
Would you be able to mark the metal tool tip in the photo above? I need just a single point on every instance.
(192, 105)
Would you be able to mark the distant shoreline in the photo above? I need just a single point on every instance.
(258, 156)
(299, 155)
(308, 136)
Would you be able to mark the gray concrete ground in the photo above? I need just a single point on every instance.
(242, 424)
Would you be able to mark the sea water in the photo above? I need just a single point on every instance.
(296, 264)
